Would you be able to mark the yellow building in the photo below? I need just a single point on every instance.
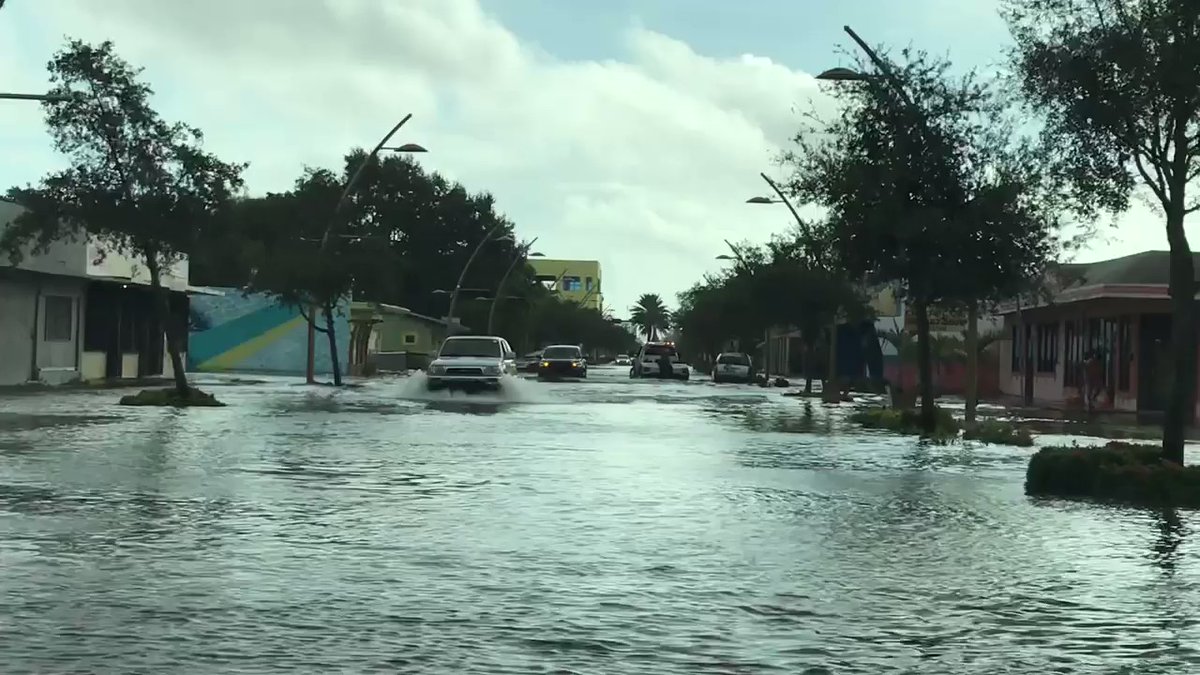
(575, 280)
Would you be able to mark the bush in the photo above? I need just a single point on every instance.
(907, 421)
(999, 433)
(171, 398)
(1118, 472)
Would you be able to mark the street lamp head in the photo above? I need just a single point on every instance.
(407, 147)
(725, 256)
(535, 254)
(845, 75)
(762, 200)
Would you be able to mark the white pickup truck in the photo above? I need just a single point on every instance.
(471, 363)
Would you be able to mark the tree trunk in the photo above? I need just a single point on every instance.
(310, 367)
(1180, 405)
(162, 304)
(805, 363)
(925, 367)
(972, 347)
(831, 392)
(333, 351)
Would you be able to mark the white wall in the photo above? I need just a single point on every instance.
(23, 328)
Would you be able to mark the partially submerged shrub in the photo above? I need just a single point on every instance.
(999, 433)
(906, 421)
(1117, 472)
(170, 397)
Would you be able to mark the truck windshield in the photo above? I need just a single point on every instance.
(561, 353)
(659, 350)
(470, 347)
(734, 359)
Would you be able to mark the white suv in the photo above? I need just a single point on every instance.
(733, 367)
(471, 363)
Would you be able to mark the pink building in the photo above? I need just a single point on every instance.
(1118, 309)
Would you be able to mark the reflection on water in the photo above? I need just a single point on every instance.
(612, 526)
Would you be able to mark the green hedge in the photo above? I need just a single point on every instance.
(171, 398)
(1117, 472)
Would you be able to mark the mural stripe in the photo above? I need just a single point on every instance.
(232, 358)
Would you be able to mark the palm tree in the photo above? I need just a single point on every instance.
(650, 315)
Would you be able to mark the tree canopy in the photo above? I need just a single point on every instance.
(650, 315)
(928, 187)
(139, 184)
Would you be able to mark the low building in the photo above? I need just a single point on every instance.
(1117, 308)
(389, 338)
(574, 280)
(82, 311)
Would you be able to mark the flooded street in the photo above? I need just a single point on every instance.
(608, 526)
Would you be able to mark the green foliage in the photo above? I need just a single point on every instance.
(138, 184)
(907, 421)
(1117, 472)
(790, 282)
(651, 316)
(998, 432)
(172, 398)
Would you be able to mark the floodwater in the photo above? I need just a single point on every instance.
(608, 526)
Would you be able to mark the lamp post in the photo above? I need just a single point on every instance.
(46, 98)
(463, 275)
(961, 202)
(310, 374)
(522, 254)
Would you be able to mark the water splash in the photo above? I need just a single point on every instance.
(512, 390)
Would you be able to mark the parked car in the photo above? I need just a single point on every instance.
(623, 360)
(733, 367)
(472, 363)
(651, 359)
(562, 361)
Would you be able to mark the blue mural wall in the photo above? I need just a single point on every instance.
(232, 332)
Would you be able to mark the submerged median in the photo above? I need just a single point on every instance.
(907, 421)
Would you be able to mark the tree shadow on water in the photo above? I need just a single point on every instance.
(1165, 552)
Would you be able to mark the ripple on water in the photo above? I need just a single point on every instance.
(612, 526)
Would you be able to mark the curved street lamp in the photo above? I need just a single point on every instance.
(310, 370)
(463, 275)
(522, 254)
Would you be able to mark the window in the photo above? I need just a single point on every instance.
(410, 338)
(1073, 353)
(1016, 349)
(571, 284)
(1125, 338)
(588, 284)
(59, 323)
(1047, 348)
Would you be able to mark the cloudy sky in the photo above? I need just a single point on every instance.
(629, 131)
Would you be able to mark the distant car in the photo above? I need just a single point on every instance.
(530, 362)
(649, 362)
(623, 360)
(471, 363)
(733, 367)
(562, 361)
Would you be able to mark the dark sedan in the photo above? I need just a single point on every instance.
(561, 361)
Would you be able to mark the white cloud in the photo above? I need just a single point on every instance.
(643, 163)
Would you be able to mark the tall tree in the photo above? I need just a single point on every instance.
(650, 315)
(1118, 86)
(138, 183)
(901, 172)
